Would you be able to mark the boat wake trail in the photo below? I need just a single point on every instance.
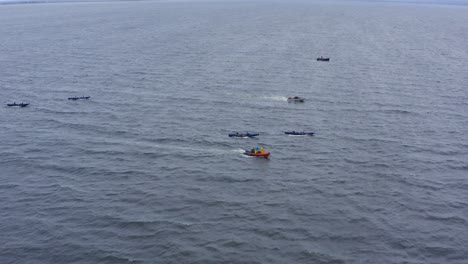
(275, 98)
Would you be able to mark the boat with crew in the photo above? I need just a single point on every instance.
(243, 135)
(257, 152)
(295, 99)
(323, 59)
(79, 98)
(20, 104)
(299, 133)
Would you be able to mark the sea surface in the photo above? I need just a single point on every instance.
(144, 171)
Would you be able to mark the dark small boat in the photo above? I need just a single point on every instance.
(323, 59)
(243, 135)
(299, 133)
(79, 98)
(295, 99)
(20, 105)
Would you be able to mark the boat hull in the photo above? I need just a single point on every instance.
(296, 100)
(20, 105)
(79, 98)
(260, 155)
(299, 133)
(243, 135)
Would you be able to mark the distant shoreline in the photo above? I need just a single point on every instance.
(424, 2)
(19, 2)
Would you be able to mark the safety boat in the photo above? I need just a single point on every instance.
(299, 133)
(20, 105)
(295, 99)
(79, 98)
(257, 152)
(243, 135)
(323, 59)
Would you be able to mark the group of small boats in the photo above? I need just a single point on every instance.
(292, 99)
(260, 152)
(254, 152)
(297, 99)
(69, 98)
(251, 135)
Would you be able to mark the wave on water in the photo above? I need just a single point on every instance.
(238, 150)
(278, 98)
(145, 172)
(250, 96)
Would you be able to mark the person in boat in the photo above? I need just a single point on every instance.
(257, 150)
(252, 150)
(237, 133)
(262, 150)
(294, 132)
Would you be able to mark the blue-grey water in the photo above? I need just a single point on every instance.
(144, 172)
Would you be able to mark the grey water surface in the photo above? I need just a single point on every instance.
(144, 172)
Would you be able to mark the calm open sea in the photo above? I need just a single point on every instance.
(144, 172)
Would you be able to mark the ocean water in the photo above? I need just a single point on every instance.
(144, 172)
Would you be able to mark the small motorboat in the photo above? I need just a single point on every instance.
(299, 133)
(20, 105)
(243, 135)
(323, 59)
(295, 99)
(261, 154)
(79, 98)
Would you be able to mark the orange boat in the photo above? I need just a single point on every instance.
(262, 154)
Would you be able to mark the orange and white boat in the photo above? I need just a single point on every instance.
(261, 153)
